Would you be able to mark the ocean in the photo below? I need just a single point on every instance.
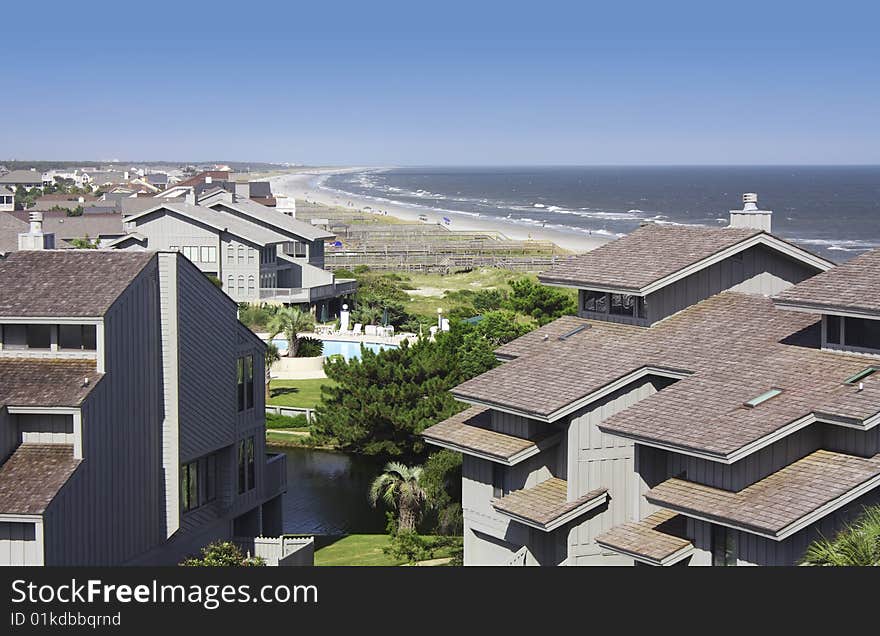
(833, 211)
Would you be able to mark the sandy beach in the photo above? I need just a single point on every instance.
(307, 185)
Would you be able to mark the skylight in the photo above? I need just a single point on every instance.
(861, 375)
(573, 332)
(755, 401)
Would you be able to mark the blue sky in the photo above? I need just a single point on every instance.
(461, 83)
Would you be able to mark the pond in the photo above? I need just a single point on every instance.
(327, 493)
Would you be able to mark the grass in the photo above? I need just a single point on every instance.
(362, 549)
(297, 393)
(475, 280)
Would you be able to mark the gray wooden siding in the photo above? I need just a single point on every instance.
(45, 428)
(9, 439)
(21, 543)
(598, 460)
(759, 271)
(112, 508)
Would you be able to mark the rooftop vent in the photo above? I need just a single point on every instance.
(750, 216)
(760, 399)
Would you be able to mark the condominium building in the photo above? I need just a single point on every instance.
(132, 426)
(714, 402)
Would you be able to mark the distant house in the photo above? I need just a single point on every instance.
(258, 254)
(99, 225)
(131, 412)
(157, 179)
(27, 179)
(7, 198)
(714, 402)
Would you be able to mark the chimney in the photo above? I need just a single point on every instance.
(209, 180)
(34, 239)
(190, 196)
(750, 216)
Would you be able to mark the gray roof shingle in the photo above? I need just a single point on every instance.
(33, 475)
(66, 282)
(852, 286)
(657, 539)
(774, 504)
(46, 382)
(545, 503)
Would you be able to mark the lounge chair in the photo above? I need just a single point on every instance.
(370, 330)
(357, 329)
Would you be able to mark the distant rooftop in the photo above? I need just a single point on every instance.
(22, 176)
(66, 282)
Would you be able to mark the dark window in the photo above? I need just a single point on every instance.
(242, 485)
(723, 546)
(249, 382)
(14, 337)
(622, 304)
(38, 336)
(859, 332)
(189, 486)
(641, 307)
(251, 464)
(596, 301)
(240, 372)
(209, 472)
(832, 326)
(77, 337)
(497, 481)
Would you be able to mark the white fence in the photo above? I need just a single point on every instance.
(281, 551)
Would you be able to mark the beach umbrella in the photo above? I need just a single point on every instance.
(324, 316)
(385, 317)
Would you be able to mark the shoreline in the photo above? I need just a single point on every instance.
(307, 185)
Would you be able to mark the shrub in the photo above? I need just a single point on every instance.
(273, 420)
(223, 554)
(309, 347)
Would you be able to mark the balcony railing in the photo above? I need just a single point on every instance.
(276, 475)
(285, 294)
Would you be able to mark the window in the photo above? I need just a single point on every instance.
(241, 285)
(189, 486)
(862, 333)
(38, 336)
(596, 301)
(251, 254)
(14, 337)
(498, 490)
(245, 371)
(198, 482)
(174, 248)
(246, 465)
(251, 285)
(622, 305)
(241, 253)
(77, 337)
(861, 375)
(832, 329)
(230, 254)
(641, 307)
(205, 254)
(723, 546)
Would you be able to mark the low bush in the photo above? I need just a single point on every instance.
(276, 421)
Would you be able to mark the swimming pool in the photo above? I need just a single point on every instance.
(346, 349)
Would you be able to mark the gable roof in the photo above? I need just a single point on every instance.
(654, 255)
(81, 283)
(275, 218)
(22, 176)
(851, 287)
(216, 175)
(217, 219)
(10, 227)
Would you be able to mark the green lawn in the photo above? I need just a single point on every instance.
(361, 549)
(298, 393)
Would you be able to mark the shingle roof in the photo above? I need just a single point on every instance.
(46, 382)
(469, 432)
(729, 348)
(656, 539)
(33, 475)
(648, 254)
(545, 505)
(241, 227)
(852, 286)
(569, 328)
(275, 218)
(99, 223)
(22, 176)
(66, 282)
(778, 505)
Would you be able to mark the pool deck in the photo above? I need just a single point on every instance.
(395, 340)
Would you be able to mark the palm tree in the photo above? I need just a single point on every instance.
(856, 544)
(290, 321)
(272, 357)
(398, 487)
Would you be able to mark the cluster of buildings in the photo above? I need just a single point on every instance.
(715, 402)
(231, 228)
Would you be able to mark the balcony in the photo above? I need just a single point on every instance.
(275, 481)
(295, 295)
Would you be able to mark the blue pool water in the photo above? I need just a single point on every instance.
(347, 350)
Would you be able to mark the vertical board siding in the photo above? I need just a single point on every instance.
(20, 543)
